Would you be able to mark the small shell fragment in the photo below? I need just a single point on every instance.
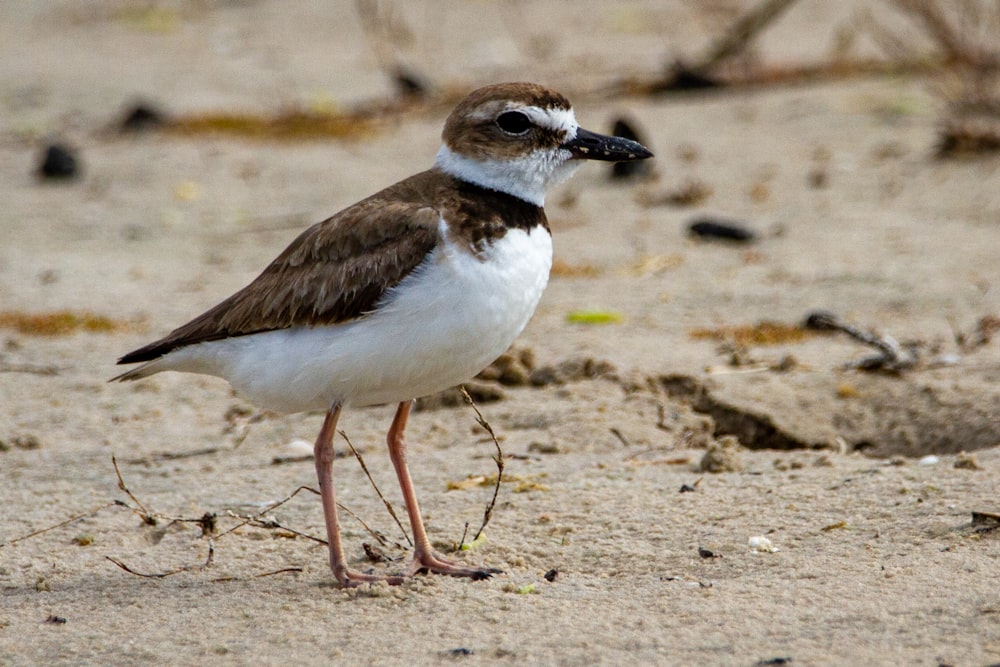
(760, 544)
(298, 448)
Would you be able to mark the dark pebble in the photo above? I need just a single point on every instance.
(142, 118)
(409, 83)
(717, 228)
(59, 163)
(627, 130)
(683, 77)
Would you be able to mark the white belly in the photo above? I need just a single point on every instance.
(440, 326)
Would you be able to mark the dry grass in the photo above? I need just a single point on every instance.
(761, 333)
(286, 126)
(60, 323)
(962, 39)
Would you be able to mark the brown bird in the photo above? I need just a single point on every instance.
(413, 290)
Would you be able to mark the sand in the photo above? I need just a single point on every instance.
(876, 560)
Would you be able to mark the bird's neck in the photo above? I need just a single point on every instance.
(526, 178)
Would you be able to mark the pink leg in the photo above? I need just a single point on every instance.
(424, 558)
(323, 455)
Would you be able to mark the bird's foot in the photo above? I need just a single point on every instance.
(352, 579)
(431, 562)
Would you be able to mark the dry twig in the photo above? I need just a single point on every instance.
(892, 357)
(388, 505)
(171, 456)
(737, 39)
(146, 515)
(68, 521)
(498, 459)
(168, 573)
(31, 369)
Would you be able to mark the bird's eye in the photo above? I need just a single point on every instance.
(513, 122)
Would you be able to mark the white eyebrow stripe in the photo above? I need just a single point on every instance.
(560, 120)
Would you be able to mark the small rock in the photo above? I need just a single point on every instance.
(545, 447)
(28, 441)
(718, 228)
(682, 77)
(512, 368)
(818, 178)
(451, 398)
(723, 456)
(967, 462)
(929, 460)
(409, 83)
(142, 117)
(59, 163)
(572, 370)
(299, 447)
(621, 170)
(544, 376)
(761, 544)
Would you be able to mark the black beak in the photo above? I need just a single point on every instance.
(592, 146)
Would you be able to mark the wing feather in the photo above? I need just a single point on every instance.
(335, 271)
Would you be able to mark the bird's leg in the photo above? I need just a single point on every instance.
(424, 558)
(323, 455)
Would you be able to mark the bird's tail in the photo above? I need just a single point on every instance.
(139, 372)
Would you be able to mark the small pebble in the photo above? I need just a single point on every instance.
(59, 163)
(722, 456)
(718, 228)
(967, 462)
(142, 118)
(409, 83)
(760, 544)
(929, 460)
(298, 448)
(620, 170)
(687, 78)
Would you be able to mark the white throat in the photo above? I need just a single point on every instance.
(526, 177)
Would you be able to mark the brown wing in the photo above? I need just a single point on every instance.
(335, 271)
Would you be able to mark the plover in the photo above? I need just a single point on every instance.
(408, 292)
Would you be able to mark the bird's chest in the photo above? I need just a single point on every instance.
(487, 295)
(503, 279)
(451, 317)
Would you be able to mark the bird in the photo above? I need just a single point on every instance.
(408, 292)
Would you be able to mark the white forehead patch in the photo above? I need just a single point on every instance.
(560, 120)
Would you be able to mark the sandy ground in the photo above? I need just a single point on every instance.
(878, 560)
